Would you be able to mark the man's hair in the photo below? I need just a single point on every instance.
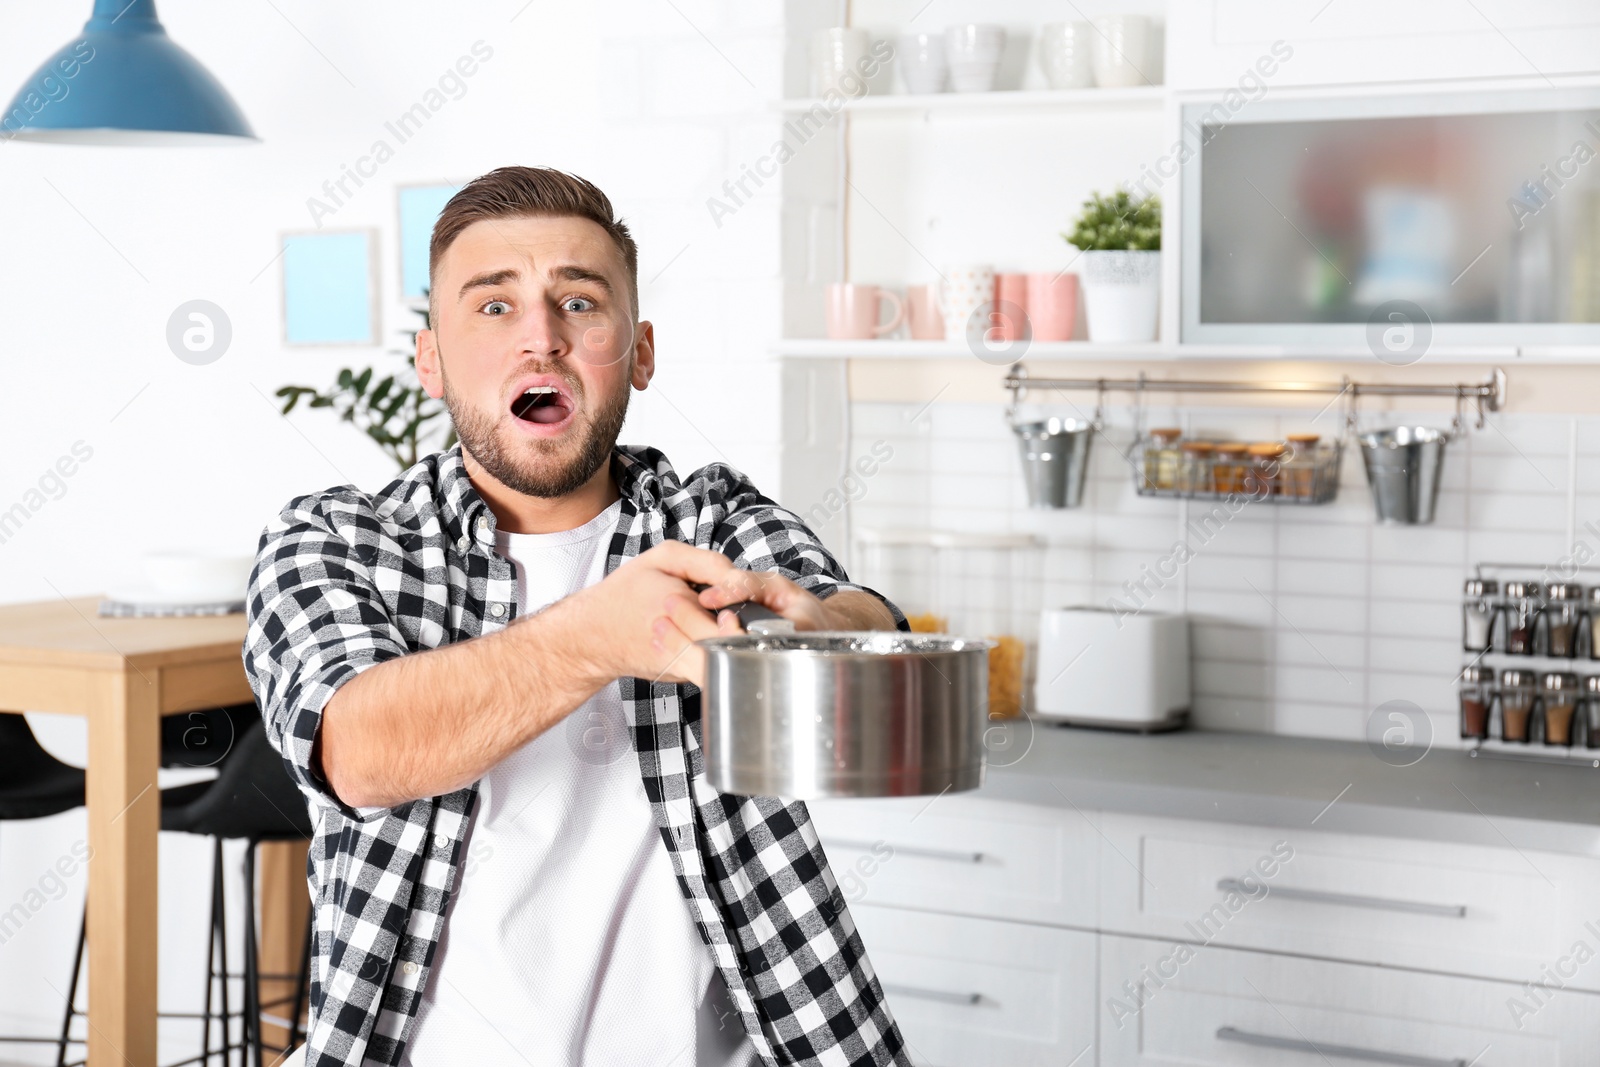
(523, 192)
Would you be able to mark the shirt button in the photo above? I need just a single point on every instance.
(408, 967)
(497, 610)
(461, 545)
(441, 841)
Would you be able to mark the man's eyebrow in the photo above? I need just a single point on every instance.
(488, 280)
(583, 274)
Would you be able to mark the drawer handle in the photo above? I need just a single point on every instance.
(949, 854)
(931, 994)
(1350, 900)
(1345, 1052)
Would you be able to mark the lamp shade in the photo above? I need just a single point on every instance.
(123, 81)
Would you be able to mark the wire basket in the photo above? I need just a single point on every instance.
(1306, 476)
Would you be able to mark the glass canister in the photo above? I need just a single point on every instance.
(1161, 459)
(1594, 618)
(991, 585)
(1558, 700)
(1516, 705)
(1589, 712)
(1195, 474)
(1300, 466)
(1520, 616)
(1478, 611)
(1477, 693)
(1265, 477)
(1562, 611)
(1230, 466)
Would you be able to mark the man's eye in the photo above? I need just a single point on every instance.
(577, 303)
(497, 307)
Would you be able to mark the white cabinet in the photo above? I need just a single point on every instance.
(1224, 1006)
(964, 855)
(1497, 913)
(981, 993)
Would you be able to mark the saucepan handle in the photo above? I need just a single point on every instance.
(755, 618)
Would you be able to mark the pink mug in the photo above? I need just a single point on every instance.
(1053, 305)
(1009, 321)
(923, 315)
(854, 310)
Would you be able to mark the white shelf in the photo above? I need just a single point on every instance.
(1155, 350)
(1151, 97)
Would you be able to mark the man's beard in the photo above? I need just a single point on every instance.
(513, 460)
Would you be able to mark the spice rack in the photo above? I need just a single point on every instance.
(1530, 687)
(1220, 470)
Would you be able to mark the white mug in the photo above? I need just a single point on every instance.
(838, 61)
(1066, 51)
(973, 51)
(966, 298)
(921, 60)
(1122, 51)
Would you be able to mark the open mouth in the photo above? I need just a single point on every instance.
(542, 404)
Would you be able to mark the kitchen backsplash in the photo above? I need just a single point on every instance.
(1304, 619)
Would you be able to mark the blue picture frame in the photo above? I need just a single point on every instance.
(418, 207)
(329, 291)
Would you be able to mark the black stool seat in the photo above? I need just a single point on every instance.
(252, 797)
(33, 783)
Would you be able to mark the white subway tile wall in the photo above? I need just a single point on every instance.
(1304, 620)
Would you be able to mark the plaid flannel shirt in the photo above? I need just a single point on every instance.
(344, 581)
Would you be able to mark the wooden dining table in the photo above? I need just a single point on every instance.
(123, 675)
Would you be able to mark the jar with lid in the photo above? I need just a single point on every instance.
(1477, 693)
(1300, 466)
(1161, 459)
(1195, 474)
(1561, 614)
(1594, 617)
(1558, 698)
(1230, 466)
(1516, 705)
(1265, 477)
(1520, 616)
(1478, 613)
(1589, 712)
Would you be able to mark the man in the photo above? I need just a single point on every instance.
(484, 679)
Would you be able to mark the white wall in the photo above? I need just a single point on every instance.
(657, 103)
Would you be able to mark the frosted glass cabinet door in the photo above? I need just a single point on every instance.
(981, 993)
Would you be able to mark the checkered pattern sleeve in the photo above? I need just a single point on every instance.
(758, 535)
(316, 620)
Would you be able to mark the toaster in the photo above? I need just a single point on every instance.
(1119, 669)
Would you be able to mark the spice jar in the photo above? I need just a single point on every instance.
(1561, 614)
(1477, 693)
(1478, 613)
(1229, 468)
(1589, 712)
(1265, 473)
(1594, 617)
(1300, 466)
(1194, 476)
(1516, 705)
(1161, 459)
(1520, 621)
(1558, 695)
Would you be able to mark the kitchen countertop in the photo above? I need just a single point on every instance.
(1338, 786)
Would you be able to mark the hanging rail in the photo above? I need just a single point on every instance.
(1490, 393)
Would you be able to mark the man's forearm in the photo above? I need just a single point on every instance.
(432, 722)
(859, 611)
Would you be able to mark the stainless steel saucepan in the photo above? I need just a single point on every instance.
(843, 714)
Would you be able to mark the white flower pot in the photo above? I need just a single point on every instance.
(1121, 295)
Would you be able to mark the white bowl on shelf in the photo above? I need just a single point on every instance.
(972, 51)
(178, 576)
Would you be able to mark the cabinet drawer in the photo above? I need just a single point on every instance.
(1498, 913)
(1250, 1009)
(964, 855)
(983, 993)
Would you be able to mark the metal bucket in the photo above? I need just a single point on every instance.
(1055, 460)
(1403, 466)
(819, 714)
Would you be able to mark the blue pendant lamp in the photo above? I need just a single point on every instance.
(124, 82)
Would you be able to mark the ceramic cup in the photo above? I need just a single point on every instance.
(923, 316)
(1066, 54)
(921, 61)
(1053, 305)
(972, 50)
(1122, 52)
(966, 298)
(1009, 321)
(838, 57)
(853, 311)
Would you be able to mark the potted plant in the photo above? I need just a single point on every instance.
(395, 411)
(1120, 241)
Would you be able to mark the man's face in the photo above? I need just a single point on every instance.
(534, 348)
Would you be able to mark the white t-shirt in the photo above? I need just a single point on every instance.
(568, 941)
